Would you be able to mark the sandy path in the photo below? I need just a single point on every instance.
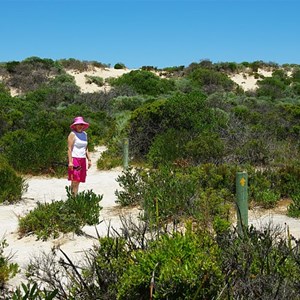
(45, 189)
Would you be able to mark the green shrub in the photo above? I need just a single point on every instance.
(294, 207)
(203, 192)
(119, 66)
(287, 179)
(123, 103)
(32, 73)
(211, 81)
(131, 185)
(179, 267)
(109, 159)
(180, 113)
(271, 87)
(74, 64)
(190, 112)
(267, 198)
(254, 265)
(107, 262)
(31, 291)
(12, 185)
(7, 269)
(212, 209)
(185, 85)
(145, 83)
(216, 177)
(168, 147)
(49, 219)
(206, 147)
(94, 79)
(146, 121)
(30, 152)
(171, 194)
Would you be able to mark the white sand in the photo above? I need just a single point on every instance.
(81, 80)
(249, 82)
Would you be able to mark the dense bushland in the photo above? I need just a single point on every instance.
(206, 192)
(235, 130)
(218, 129)
(189, 133)
(187, 264)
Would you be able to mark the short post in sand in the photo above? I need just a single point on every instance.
(241, 183)
(125, 153)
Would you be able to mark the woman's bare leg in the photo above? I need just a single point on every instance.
(74, 187)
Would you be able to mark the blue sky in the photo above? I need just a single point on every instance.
(160, 33)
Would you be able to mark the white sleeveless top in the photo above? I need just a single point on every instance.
(80, 144)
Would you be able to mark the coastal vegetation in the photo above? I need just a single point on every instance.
(50, 220)
(190, 129)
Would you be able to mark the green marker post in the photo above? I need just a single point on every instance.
(125, 153)
(242, 200)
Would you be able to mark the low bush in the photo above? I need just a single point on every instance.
(96, 276)
(171, 194)
(119, 66)
(12, 185)
(34, 153)
(190, 263)
(287, 178)
(211, 81)
(267, 198)
(124, 103)
(31, 292)
(205, 192)
(145, 83)
(294, 207)
(168, 147)
(131, 184)
(49, 219)
(7, 269)
(262, 265)
(108, 160)
(94, 79)
(111, 258)
(174, 267)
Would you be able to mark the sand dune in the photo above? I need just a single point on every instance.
(245, 80)
(81, 79)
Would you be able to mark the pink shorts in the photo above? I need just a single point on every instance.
(79, 172)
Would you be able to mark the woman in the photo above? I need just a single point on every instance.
(78, 153)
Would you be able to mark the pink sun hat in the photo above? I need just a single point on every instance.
(79, 120)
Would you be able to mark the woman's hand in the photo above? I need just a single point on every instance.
(89, 163)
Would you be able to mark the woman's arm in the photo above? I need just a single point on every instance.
(71, 140)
